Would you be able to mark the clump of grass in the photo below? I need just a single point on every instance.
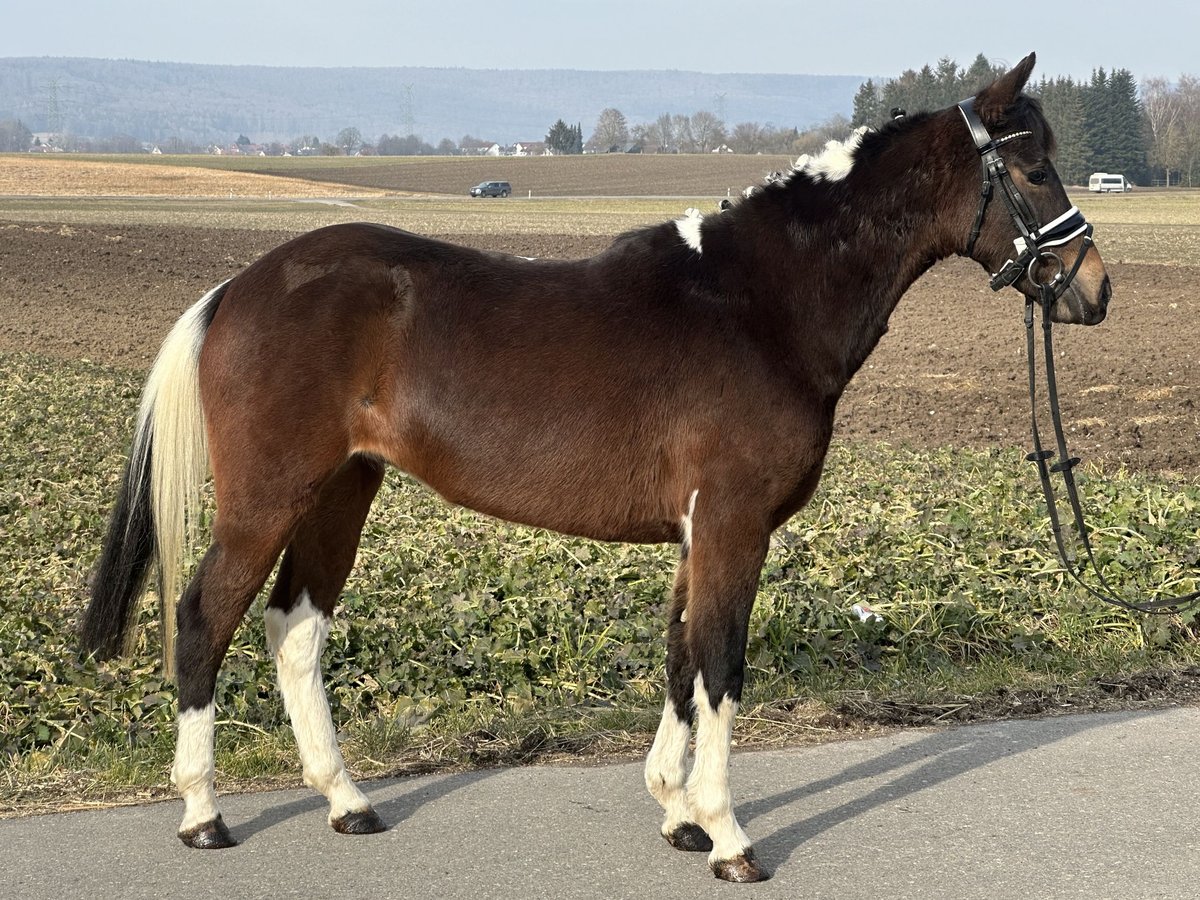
(464, 641)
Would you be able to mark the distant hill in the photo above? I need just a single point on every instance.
(156, 101)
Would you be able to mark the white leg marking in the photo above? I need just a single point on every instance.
(689, 230)
(708, 785)
(194, 769)
(296, 639)
(686, 522)
(666, 768)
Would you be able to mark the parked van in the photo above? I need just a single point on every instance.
(1103, 183)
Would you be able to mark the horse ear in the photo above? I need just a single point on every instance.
(994, 100)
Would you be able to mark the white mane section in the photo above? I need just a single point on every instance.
(834, 162)
(689, 228)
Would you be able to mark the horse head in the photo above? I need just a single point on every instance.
(1026, 230)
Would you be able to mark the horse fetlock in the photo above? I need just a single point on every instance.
(662, 784)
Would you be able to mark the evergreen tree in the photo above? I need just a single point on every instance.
(561, 137)
(1127, 120)
(948, 86)
(1062, 103)
(868, 108)
(979, 75)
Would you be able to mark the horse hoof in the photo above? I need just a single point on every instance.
(689, 836)
(742, 868)
(208, 836)
(365, 822)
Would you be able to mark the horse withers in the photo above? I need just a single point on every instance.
(678, 387)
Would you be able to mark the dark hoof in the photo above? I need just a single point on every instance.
(365, 822)
(208, 836)
(741, 868)
(689, 836)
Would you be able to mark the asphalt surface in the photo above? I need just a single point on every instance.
(1095, 806)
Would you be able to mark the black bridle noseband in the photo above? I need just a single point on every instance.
(1035, 244)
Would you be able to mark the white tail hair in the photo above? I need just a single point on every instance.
(170, 429)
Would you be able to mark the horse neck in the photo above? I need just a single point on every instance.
(851, 248)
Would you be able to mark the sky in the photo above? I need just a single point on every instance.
(833, 37)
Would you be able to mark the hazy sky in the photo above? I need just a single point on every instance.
(833, 37)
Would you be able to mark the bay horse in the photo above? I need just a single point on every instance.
(678, 387)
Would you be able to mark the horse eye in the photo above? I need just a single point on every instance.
(1037, 176)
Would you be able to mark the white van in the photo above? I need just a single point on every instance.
(1103, 183)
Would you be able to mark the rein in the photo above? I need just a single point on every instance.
(1033, 246)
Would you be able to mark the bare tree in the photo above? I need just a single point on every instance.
(666, 132)
(350, 140)
(611, 130)
(707, 130)
(1163, 106)
(681, 128)
(1189, 99)
(748, 137)
(646, 135)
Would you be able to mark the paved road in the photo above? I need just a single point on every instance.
(1087, 806)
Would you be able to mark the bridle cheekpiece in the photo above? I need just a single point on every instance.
(1034, 242)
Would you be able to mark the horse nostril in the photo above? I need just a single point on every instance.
(1105, 293)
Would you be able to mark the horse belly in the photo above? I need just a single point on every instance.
(604, 496)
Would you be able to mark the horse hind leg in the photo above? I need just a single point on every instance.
(226, 582)
(314, 569)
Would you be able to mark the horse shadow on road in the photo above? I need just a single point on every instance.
(389, 796)
(918, 766)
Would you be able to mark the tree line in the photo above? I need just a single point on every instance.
(1103, 124)
(700, 132)
(1107, 123)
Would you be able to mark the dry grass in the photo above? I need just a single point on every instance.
(42, 176)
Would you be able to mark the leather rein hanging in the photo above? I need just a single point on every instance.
(1034, 247)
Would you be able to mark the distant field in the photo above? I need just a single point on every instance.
(606, 175)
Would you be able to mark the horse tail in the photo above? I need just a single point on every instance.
(158, 503)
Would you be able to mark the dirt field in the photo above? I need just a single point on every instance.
(950, 372)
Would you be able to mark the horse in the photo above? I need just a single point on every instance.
(678, 387)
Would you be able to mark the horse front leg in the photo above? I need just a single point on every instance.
(706, 660)
(667, 762)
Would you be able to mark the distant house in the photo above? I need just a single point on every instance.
(475, 147)
(531, 148)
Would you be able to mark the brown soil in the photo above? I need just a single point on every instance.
(950, 372)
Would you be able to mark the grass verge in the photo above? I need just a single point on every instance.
(461, 641)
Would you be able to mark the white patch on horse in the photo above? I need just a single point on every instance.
(835, 162)
(296, 640)
(194, 770)
(686, 523)
(689, 230)
(709, 798)
(666, 768)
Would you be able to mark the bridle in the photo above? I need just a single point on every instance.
(1035, 244)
